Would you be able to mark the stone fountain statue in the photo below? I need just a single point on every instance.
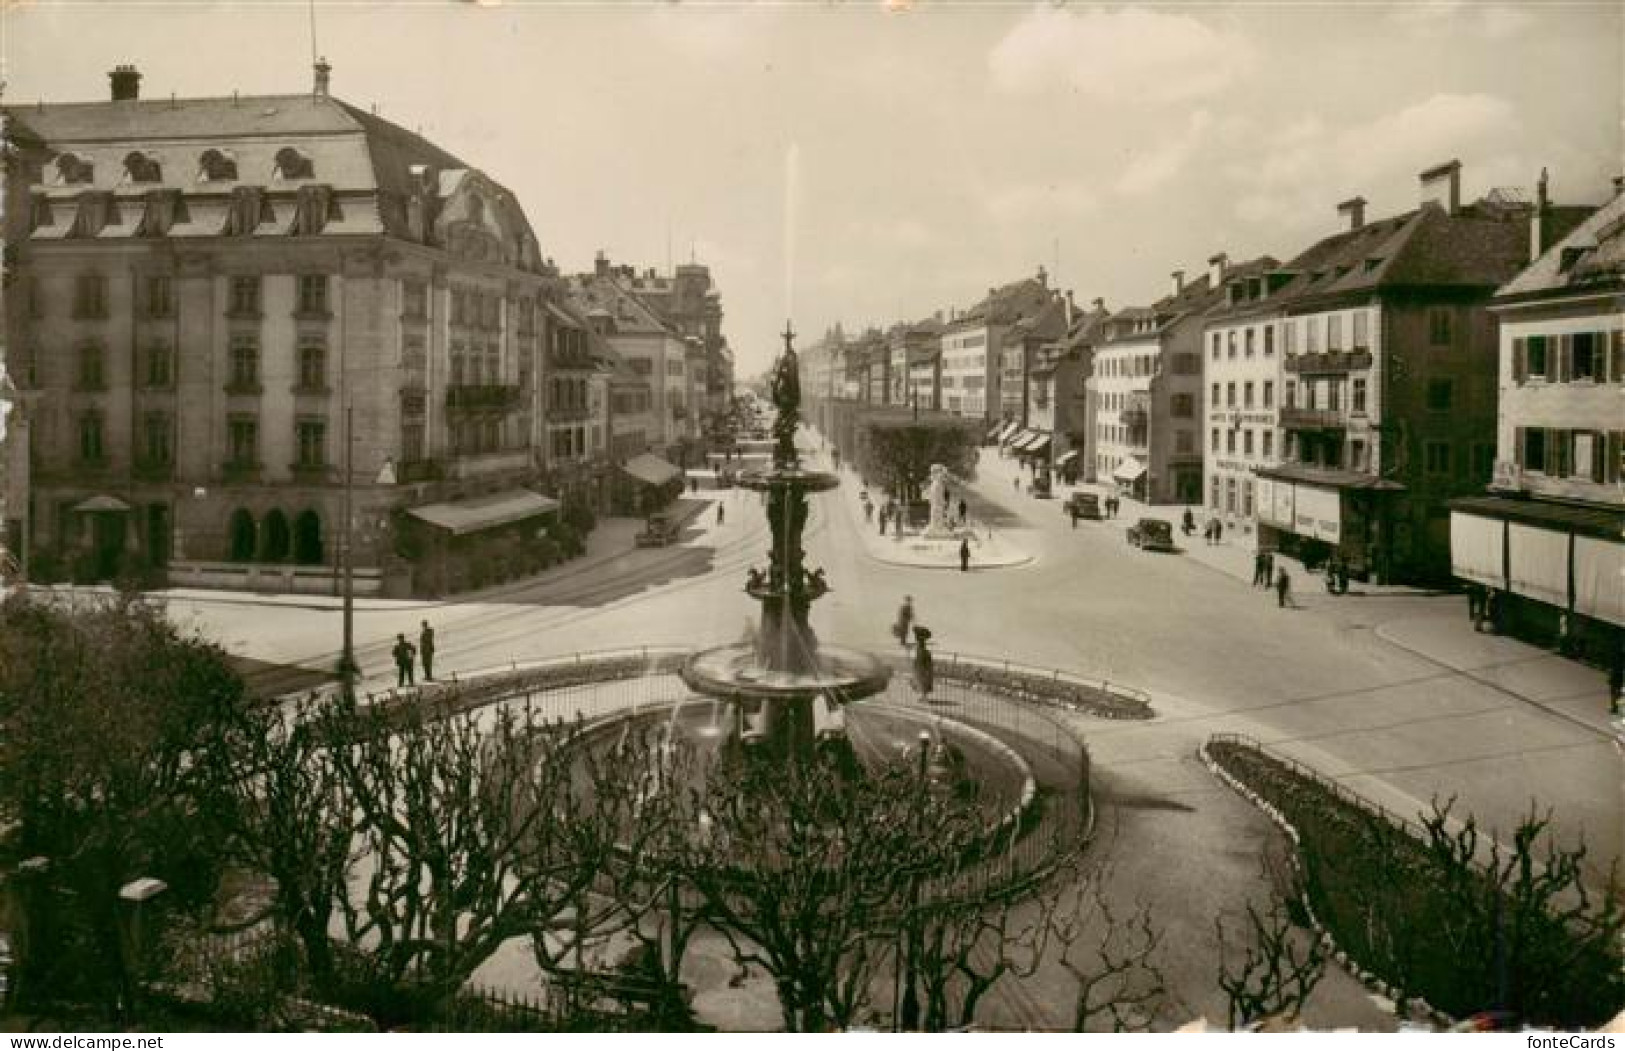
(785, 672)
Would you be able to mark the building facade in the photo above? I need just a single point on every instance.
(1388, 392)
(237, 315)
(973, 348)
(1549, 538)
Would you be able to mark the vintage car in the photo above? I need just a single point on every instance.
(1152, 534)
(1082, 505)
(658, 531)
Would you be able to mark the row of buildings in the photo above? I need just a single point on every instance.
(233, 325)
(1445, 383)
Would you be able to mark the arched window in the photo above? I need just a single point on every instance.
(291, 164)
(275, 538)
(307, 538)
(217, 166)
(143, 167)
(243, 535)
(72, 169)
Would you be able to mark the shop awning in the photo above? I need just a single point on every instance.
(1129, 470)
(647, 467)
(1605, 522)
(1008, 430)
(1037, 445)
(102, 503)
(1067, 457)
(995, 432)
(1330, 477)
(485, 512)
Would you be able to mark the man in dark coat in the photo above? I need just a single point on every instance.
(404, 653)
(426, 651)
(964, 556)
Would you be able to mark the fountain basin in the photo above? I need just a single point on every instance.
(735, 672)
(786, 478)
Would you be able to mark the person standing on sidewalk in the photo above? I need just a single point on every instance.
(719, 514)
(964, 555)
(1283, 588)
(1261, 573)
(924, 670)
(426, 651)
(905, 620)
(403, 653)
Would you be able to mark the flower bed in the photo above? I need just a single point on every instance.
(1425, 924)
(1103, 700)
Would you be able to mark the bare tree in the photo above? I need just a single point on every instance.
(803, 866)
(1279, 967)
(1114, 959)
(473, 828)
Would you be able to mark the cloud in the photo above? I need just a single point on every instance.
(1149, 172)
(1024, 202)
(1494, 21)
(1308, 164)
(1131, 53)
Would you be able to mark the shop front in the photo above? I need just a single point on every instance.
(1542, 561)
(1314, 514)
(465, 544)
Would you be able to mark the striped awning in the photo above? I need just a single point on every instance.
(485, 512)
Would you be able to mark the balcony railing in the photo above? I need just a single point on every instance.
(483, 397)
(1312, 419)
(1329, 361)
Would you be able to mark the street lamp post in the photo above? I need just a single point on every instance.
(347, 665)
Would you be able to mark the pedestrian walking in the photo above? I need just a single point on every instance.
(1072, 509)
(1283, 588)
(719, 514)
(1260, 574)
(1218, 531)
(905, 620)
(1188, 524)
(1269, 566)
(1475, 605)
(1342, 576)
(964, 511)
(964, 555)
(426, 651)
(1616, 679)
(404, 653)
(924, 671)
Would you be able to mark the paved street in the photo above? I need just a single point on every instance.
(1390, 692)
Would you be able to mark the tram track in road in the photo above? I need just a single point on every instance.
(482, 629)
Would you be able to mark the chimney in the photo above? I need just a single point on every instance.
(1353, 210)
(1442, 185)
(126, 83)
(1217, 265)
(1043, 277)
(600, 264)
(1537, 219)
(324, 77)
(1070, 310)
(1100, 305)
(1179, 281)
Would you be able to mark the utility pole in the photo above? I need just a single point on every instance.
(347, 665)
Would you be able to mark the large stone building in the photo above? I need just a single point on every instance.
(691, 304)
(651, 348)
(227, 308)
(1550, 536)
(1058, 393)
(1388, 389)
(1146, 388)
(973, 347)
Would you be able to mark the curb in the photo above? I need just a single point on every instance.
(1372, 982)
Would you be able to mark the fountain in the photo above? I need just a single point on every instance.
(787, 688)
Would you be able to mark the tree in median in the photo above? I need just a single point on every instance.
(900, 453)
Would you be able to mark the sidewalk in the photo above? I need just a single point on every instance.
(612, 538)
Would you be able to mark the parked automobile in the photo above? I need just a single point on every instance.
(1083, 505)
(1152, 534)
(658, 531)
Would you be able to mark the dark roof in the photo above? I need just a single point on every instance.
(1007, 304)
(1590, 255)
(1331, 477)
(1195, 299)
(1605, 522)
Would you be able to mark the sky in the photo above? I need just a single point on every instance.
(871, 162)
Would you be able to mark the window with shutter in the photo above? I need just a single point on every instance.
(1564, 358)
(1520, 364)
(1616, 368)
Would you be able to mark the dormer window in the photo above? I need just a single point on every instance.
(74, 170)
(291, 164)
(249, 208)
(163, 209)
(96, 210)
(143, 167)
(315, 208)
(217, 166)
